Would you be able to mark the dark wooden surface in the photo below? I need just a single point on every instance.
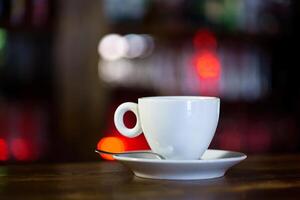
(258, 177)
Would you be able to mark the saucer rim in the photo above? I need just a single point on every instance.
(239, 157)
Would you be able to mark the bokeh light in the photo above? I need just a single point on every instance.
(207, 65)
(115, 71)
(137, 45)
(205, 39)
(3, 150)
(149, 41)
(111, 144)
(3, 38)
(21, 149)
(112, 47)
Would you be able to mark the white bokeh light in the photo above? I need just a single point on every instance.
(118, 71)
(113, 47)
(137, 45)
(149, 43)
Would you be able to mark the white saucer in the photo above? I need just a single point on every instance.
(213, 164)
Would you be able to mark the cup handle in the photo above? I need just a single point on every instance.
(119, 123)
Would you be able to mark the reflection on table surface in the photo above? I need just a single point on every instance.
(256, 177)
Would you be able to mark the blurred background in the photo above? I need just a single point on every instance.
(66, 65)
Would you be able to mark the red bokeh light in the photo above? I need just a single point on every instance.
(207, 65)
(21, 149)
(3, 150)
(112, 144)
(205, 39)
(131, 144)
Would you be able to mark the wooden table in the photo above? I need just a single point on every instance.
(258, 177)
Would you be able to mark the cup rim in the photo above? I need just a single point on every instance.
(180, 98)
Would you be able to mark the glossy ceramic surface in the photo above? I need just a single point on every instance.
(175, 127)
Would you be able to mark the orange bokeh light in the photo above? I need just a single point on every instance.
(207, 65)
(112, 144)
(3, 150)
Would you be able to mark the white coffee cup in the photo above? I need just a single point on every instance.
(176, 127)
